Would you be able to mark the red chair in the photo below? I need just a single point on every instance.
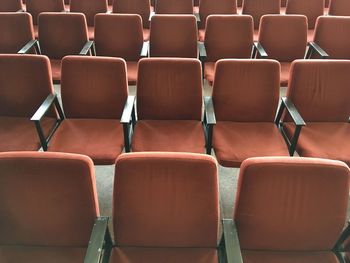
(120, 35)
(339, 8)
(291, 209)
(49, 208)
(11, 5)
(25, 84)
(169, 106)
(318, 91)
(240, 114)
(174, 7)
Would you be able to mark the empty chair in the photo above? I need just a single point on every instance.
(174, 7)
(339, 8)
(140, 7)
(173, 216)
(89, 8)
(50, 203)
(319, 91)
(10, 5)
(94, 92)
(25, 84)
(227, 36)
(61, 34)
(120, 35)
(16, 31)
(308, 195)
(332, 33)
(173, 36)
(169, 106)
(35, 7)
(240, 115)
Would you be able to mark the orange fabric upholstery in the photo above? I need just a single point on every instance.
(245, 110)
(284, 37)
(174, 7)
(94, 91)
(56, 70)
(209, 71)
(219, 7)
(228, 36)
(89, 8)
(307, 202)
(140, 7)
(35, 7)
(332, 34)
(132, 67)
(174, 135)
(310, 8)
(10, 5)
(16, 30)
(51, 199)
(173, 36)
(285, 68)
(174, 203)
(339, 8)
(259, 8)
(161, 255)
(62, 34)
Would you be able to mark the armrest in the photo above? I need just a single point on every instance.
(44, 107)
(128, 117)
(339, 246)
(144, 50)
(32, 43)
(89, 45)
(198, 18)
(297, 119)
(209, 122)
(202, 50)
(314, 47)
(99, 241)
(151, 14)
(232, 247)
(259, 48)
(20, 10)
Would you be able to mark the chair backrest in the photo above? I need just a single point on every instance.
(339, 8)
(89, 8)
(118, 35)
(259, 8)
(310, 8)
(174, 7)
(228, 36)
(219, 7)
(62, 34)
(173, 36)
(174, 201)
(35, 7)
(320, 89)
(169, 89)
(16, 30)
(291, 204)
(49, 198)
(10, 5)
(140, 7)
(332, 33)
(93, 87)
(246, 90)
(25, 82)
(284, 37)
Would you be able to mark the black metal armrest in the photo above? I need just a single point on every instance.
(20, 10)
(128, 117)
(257, 47)
(313, 47)
(41, 112)
(151, 14)
(100, 242)
(198, 18)
(89, 45)
(27, 47)
(144, 50)
(297, 119)
(339, 246)
(209, 122)
(230, 242)
(202, 50)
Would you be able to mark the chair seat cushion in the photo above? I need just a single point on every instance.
(146, 33)
(132, 72)
(28, 254)
(19, 134)
(56, 70)
(209, 70)
(164, 135)
(329, 140)
(201, 35)
(161, 255)
(91, 32)
(234, 142)
(285, 67)
(288, 257)
(100, 139)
